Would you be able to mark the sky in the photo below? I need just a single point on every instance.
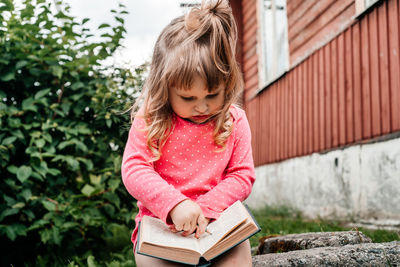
(144, 23)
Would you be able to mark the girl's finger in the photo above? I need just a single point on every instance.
(201, 226)
(173, 229)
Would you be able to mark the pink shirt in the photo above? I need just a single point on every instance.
(190, 167)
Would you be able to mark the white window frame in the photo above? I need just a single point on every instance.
(266, 76)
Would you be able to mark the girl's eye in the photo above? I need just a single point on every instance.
(187, 98)
(213, 96)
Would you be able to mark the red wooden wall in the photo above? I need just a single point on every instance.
(311, 22)
(346, 92)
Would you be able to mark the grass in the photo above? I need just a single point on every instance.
(283, 221)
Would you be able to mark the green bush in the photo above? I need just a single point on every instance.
(62, 135)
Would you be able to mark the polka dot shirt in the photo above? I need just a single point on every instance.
(191, 166)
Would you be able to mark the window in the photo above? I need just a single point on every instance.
(273, 44)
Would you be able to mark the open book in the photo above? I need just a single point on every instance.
(234, 225)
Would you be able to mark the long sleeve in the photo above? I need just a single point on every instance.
(140, 178)
(240, 174)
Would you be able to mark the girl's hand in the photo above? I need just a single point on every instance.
(187, 216)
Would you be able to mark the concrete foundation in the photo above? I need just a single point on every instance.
(360, 183)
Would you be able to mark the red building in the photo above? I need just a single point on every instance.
(323, 76)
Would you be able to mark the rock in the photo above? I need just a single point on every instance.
(311, 240)
(366, 254)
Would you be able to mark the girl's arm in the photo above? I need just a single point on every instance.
(140, 178)
(240, 174)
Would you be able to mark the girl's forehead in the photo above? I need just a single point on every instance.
(197, 83)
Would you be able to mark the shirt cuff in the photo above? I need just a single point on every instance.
(165, 215)
(209, 213)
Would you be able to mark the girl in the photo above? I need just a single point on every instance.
(188, 155)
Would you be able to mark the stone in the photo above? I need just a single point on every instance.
(310, 240)
(366, 254)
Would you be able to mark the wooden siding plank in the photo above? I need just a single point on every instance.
(288, 108)
(328, 97)
(250, 32)
(296, 112)
(250, 52)
(365, 75)
(300, 128)
(247, 4)
(264, 131)
(349, 87)
(271, 126)
(310, 125)
(249, 43)
(384, 68)
(324, 35)
(314, 10)
(282, 118)
(275, 123)
(394, 62)
(250, 63)
(301, 11)
(335, 11)
(374, 73)
(251, 72)
(334, 94)
(321, 95)
(291, 109)
(252, 11)
(250, 22)
(305, 110)
(292, 6)
(341, 91)
(358, 117)
(315, 110)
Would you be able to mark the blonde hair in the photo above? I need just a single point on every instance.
(203, 43)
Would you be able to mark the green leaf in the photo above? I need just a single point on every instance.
(12, 169)
(10, 75)
(23, 173)
(26, 194)
(40, 143)
(104, 25)
(50, 206)
(18, 205)
(84, 21)
(14, 230)
(8, 212)
(56, 235)
(77, 85)
(91, 261)
(20, 64)
(57, 71)
(9, 140)
(87, 190)
(42, 93)
(2, 95)
(28, 104)
(54, 172)
(95, 179)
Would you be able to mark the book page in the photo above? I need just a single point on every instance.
(229, 219)
(154, 231)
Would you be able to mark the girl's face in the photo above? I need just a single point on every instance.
(196, 104)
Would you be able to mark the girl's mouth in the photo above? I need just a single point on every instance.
(200, 118)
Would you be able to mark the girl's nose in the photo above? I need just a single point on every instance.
(202, 107)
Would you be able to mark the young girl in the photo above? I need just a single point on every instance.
(188, 156)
